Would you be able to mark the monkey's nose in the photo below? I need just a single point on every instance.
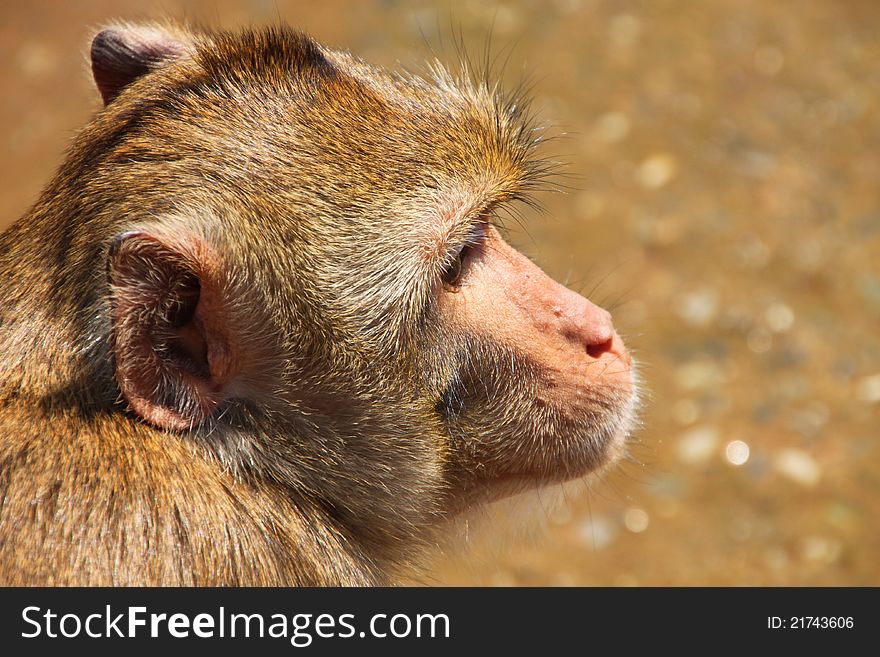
(585, 323)
(596, 349)
(613, 346)
(594, 329)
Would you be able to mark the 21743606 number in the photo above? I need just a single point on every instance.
(810, 622)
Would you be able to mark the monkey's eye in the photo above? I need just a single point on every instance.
(452, 273)
(457, 267)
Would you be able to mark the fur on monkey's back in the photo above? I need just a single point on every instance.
(97, 503)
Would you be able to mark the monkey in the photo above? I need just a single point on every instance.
(262, 326)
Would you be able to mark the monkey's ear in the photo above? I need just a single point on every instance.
(120, 55)
(174, 355)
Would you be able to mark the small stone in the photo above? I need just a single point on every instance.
(756, 164)
(623, 30)
(36, 59)
(763, 412)
(698, 308)
(632, 314)
(769, 60)
(820, 549)
(636, 520)
(564, 579)
(780, 318)
(686, 411)
(809, 254)
(736, 452)
(597, 532)
(868, 389)
(776, 558)
(669, 508)
(794, 388)
(506, 20)
(622, 173)
(687, 106)
(626, 579)
(699, 374)
(590, 205)
(668, 486)
(656, 171)
(698, 445)
(753, 252)
(560, 515)
(824, 112)
(759, 340)
(503, 578)
(740, 530)
(844, 368)
(810, 419)
(798, 466)
(735, 318)
(612, 127)
(842, 516)
(568, 6)
(869, 288)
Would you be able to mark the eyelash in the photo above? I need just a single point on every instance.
(453, 271)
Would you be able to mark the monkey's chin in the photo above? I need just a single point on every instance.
(589, 454)
(565, 478)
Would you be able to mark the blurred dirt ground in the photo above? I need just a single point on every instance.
(724, 160)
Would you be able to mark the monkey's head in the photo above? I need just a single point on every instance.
(305, 279)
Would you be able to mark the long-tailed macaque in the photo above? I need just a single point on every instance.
(261, 329)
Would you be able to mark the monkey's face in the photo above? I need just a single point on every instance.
(331, 307)
(542, 389)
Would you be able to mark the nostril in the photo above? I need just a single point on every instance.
(597, 349)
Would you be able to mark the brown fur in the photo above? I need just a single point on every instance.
(312, 197)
